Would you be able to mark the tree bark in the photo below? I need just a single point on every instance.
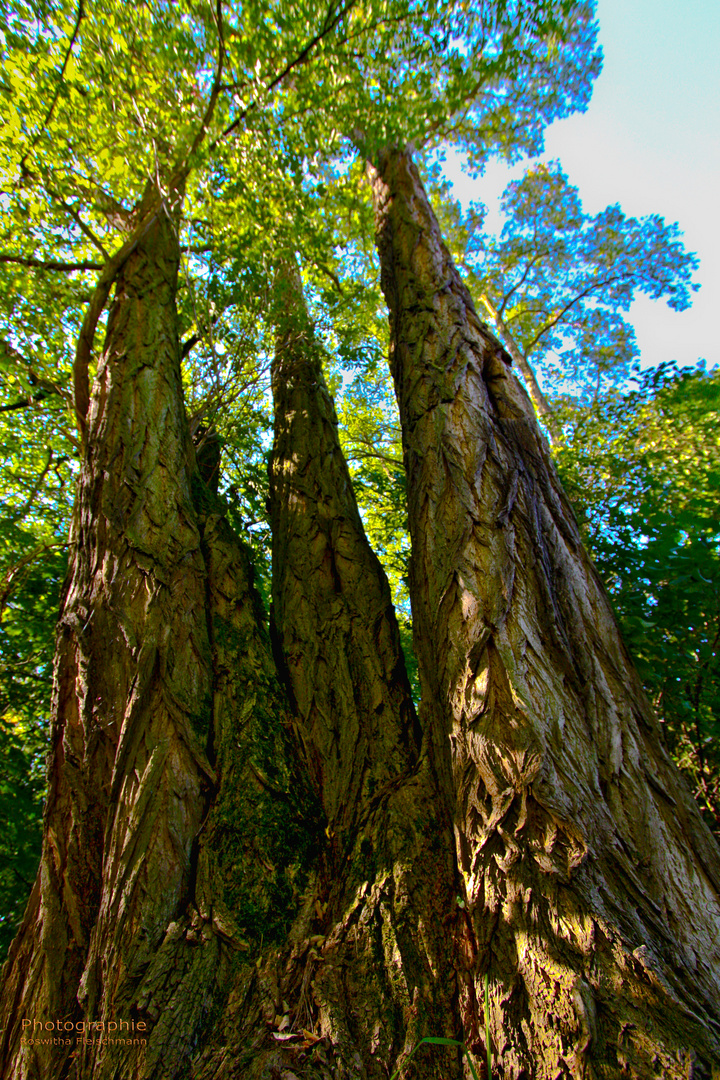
(387, 880)
(593, 884)
(177, 824)
(293, 875)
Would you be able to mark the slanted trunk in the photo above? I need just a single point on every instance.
(387, 881)
(165, 850)
(593, 884)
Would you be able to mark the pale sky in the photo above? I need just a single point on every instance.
(649, 140)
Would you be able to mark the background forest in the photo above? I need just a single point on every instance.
(95, 99)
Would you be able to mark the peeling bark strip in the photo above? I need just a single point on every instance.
(593, 884)
(387, 884)
(165, 847)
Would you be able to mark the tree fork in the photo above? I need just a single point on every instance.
(592, 882)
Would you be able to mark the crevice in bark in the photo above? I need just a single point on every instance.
(525, 676)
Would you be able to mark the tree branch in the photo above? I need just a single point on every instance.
(576, 299)
(541, 403)
(81, 364)
(188, 346)
(28, 884)
(214, 94)
(523, 279)
(81, 386)
(45, 387)
(25, 403)
(83, 351)
(24, 510)
(10, 577)
(333, 277)
(375, 455)
(49, 264)
(84, 228)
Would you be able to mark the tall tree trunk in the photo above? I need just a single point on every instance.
(593, 884)
(165, 846)
(387, 888)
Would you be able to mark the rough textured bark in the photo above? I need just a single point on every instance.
(387, 881)
(593, 885)
(331, 598)
(172, 789)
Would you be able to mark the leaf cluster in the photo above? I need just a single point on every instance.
(562, 281)
(643, 471)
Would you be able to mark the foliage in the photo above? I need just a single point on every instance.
(559, 281)
(22, 784)
(36, 470)
(643, 472)
(260, 108)
(26, 652)
(370, 438)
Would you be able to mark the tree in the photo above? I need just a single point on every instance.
(525, 678)
(557, 282)
(386, 883)
(254, 850)
(639, 467)
(97, 100)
